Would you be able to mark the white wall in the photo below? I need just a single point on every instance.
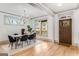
(5, 30)
(56, 28)
(50, 27)
(75, 27)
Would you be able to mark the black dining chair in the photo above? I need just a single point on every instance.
(32, 37)
(11, 41)
(17, 39)
(24, 39)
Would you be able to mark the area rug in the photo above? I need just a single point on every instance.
(10, 51)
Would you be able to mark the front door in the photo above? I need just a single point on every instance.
(65, 32)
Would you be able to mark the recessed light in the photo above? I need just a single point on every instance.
(59, 4)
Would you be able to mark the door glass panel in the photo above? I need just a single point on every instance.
(66, 23)
(44, 28)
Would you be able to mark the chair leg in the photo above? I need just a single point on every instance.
(22, 44)
(27, 41)
(15, 45)
(30, 41)
(11, 45)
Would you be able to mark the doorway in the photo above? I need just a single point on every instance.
(65, 32)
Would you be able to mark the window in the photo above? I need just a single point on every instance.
(13, 20)
(41, 27)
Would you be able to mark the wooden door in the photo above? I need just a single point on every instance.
(65, 31)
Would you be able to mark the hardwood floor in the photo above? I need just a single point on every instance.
(46, 48)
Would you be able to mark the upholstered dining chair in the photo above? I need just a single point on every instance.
(32, 37)
(12, 41)
(24, 39)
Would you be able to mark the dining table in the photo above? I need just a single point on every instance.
(18, 37)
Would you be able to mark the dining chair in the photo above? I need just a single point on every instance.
(32, 37)
(24, 39)
(12, 41)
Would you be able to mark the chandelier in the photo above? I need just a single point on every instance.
(25, 16)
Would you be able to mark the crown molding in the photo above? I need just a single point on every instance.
(10, 13)
(39, 16)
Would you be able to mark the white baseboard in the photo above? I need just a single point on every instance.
(45, 38)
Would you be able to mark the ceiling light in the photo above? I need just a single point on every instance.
(59, 4)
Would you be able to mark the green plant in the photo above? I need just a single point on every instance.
(29, 28)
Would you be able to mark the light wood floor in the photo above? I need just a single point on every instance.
(46, 48)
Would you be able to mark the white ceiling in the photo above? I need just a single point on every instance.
(35, 9)
(65, 6)
(18, 9)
